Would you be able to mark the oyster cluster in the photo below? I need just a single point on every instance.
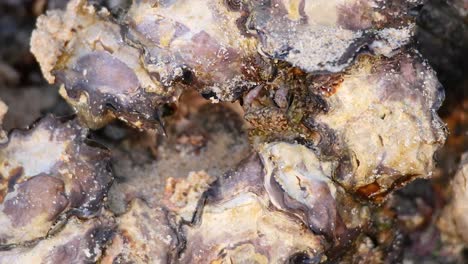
(127, 67)
(339, 110)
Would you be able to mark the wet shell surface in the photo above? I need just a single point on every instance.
(48, 174)
(340, 111)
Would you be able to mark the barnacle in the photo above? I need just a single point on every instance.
(48, 173)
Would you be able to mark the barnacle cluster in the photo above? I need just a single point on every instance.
(337, 106)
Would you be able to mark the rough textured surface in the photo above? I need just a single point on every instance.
(357, 118)
(78, 242)
(144, 235)
(247, 238)
(339, 30)
(334, 128)
(156, 49)
(48, 173)
(200, 137)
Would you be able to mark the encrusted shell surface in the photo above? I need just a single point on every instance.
(237, 207)
(127, 67)
(281, 198)
(377, 120)
(323, 35)
(103, 76)
(78, 242)
(48, 173)
(338, 106)
(143, 235)
(383, 119)
(299, 183)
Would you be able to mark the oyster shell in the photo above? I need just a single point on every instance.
(103, 76)
(383, 119)
(78, 242)
(188, 40)
(356, 118)
(127, 70)
(48, 173)
(265, 203)
(143, 235)
(323, 35)
(246, 228)
(329, 123)
(128, 67)
(298, 182)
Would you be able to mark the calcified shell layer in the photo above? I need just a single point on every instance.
(340, 110)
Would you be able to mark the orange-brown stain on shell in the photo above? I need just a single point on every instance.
(374, 192)
(327, 85)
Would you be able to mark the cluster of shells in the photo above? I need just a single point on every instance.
(340, 111)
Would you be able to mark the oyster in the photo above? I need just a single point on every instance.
(103, 76)
(49, 173)
(189, 41)
(338, 107)
(298, 182)
(150, 56)
(78, 242)
(128, 67)
(356, 118)
(246, 228)
(265, 203)
(323, 35)
(383, 119)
